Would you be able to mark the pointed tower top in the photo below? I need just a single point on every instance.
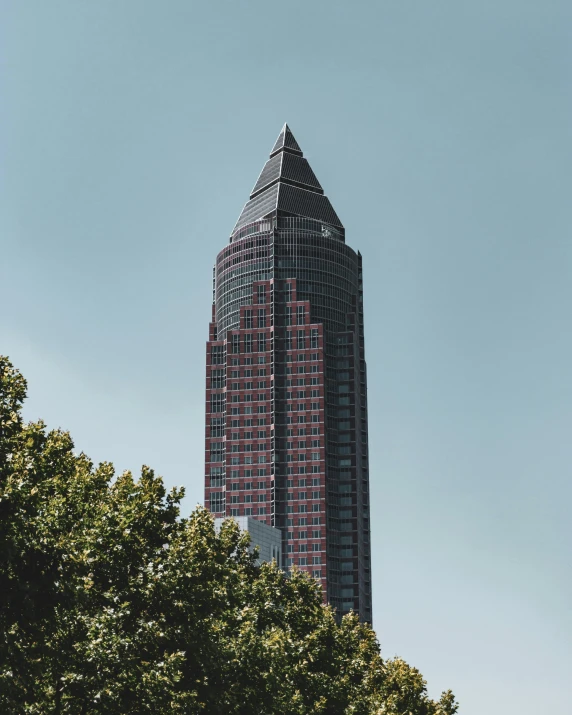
(286, 142)
(287, 185)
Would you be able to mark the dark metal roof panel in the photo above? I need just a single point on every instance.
(296, 168)
(286, 140)
(258, 207)
(307, 203)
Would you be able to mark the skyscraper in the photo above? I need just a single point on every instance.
(286, 404)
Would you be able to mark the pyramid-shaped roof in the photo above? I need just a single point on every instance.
(286, 141)
(287, 183)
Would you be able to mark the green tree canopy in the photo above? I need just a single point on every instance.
(111, 602)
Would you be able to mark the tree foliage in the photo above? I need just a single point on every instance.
(112, 603)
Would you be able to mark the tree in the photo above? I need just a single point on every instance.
(110, 602)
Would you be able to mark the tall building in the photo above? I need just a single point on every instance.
(286, 399)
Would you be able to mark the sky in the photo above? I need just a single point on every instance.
(131, 134)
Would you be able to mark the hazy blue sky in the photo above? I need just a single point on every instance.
(131, 135)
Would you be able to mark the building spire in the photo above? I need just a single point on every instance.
(287, 184)
(286, 142)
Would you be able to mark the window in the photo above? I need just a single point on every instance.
(216, 501)
(217, 379)
(315, 456)
(261, 318)
(302, 508)
(261, 294)
(300, 341)
(261, 342)
(303, 548)
(236, 343)
(248, 319)
(301, 368)
(301, 495)
(300, 318)
(315, 535)
(217, 427)
(217, 355)
(315, 495)
(288, 340)
(314, 340)
(217, 403)
(316, 560)
(303, 561)
(314, 368)
(248, 343)
(302, 521)
(217, 477)
(288, 315)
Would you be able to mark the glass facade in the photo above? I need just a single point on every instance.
(286, 407)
